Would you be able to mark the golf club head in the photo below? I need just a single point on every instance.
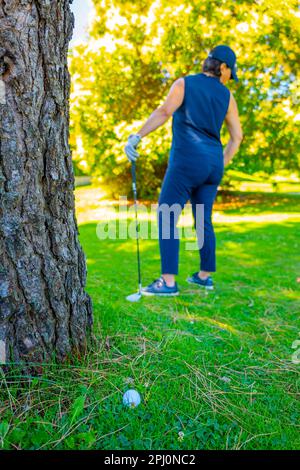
(134, 297)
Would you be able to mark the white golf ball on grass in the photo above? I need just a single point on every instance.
(131, 398)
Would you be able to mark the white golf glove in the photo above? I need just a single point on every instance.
(130, 147)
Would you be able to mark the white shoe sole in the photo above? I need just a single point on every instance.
(200, 285)
(152, 294)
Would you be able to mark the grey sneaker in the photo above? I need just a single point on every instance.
(159, 287)
(207, 283)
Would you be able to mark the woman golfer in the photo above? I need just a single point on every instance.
(199, 105)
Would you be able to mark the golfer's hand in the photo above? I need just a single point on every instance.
(130, 147)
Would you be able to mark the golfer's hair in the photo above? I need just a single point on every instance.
(212, 66)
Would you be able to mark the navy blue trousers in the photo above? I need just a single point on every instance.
(196, 179)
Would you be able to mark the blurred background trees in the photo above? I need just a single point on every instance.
(136, 50)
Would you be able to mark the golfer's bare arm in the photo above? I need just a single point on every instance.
(161, 114)
(234, 127)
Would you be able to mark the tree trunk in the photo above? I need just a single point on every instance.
(44, 310)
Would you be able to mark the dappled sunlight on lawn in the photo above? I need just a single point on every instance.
(257, 218)
(261, 248)
(220, 325)
(231, 209)
(242, 251)
(108, 213)
(255, 277)
(192, 318)
(88, 195)
(293, 295)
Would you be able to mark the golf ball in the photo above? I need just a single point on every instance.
(131, 398)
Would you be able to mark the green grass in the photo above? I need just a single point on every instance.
(281, 182)
(214, 366)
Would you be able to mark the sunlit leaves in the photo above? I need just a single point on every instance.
(138, 48)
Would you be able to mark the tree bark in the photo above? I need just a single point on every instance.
(44, 310)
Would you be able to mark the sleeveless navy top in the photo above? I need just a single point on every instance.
(197, 123)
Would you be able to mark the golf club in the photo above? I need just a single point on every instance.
(136, 297)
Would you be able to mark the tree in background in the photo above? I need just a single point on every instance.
(44, 310)
(137, 49)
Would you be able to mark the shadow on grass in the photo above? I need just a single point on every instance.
(256, 203)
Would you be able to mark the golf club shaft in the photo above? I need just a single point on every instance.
(133, 172)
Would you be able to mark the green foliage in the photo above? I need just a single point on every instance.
(137, 49)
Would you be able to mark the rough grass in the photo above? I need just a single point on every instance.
(214, 370)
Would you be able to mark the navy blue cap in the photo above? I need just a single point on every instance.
(225, 54)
